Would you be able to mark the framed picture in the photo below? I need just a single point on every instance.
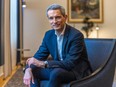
(79, 9)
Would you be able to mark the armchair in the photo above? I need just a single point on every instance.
(102, 56)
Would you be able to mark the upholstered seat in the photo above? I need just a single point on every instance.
(102, 56)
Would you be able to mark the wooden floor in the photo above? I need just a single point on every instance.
(1, 81)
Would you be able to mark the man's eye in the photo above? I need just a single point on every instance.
(50, 18)
(55, 18)
(58, 17)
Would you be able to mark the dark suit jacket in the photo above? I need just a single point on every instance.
(73, 51)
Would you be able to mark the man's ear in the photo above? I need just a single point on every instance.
(66, 17)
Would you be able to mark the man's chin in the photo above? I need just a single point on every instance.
(56, 28)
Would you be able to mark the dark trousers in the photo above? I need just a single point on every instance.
(55, 77)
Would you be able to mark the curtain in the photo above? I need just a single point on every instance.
(7, 42)
(1, 33)
(19, 31)
(10, 45)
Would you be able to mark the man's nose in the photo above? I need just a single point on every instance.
(54, 20)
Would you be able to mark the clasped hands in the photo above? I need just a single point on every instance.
(28, 76)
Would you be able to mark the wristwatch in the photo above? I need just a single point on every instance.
(46, 64)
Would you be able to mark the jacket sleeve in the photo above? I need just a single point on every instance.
(41, 54)
(43, 51)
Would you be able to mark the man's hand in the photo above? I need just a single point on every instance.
(28, 77)
(35, 62)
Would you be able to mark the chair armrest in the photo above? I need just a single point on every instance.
(102, 77)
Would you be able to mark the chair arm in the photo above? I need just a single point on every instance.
(102, 77)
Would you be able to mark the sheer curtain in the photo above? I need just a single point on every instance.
(12, 24)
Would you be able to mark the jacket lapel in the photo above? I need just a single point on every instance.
(54, 41)
(65, 41)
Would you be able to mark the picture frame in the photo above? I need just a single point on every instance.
(80, 9)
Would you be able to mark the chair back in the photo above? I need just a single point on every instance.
(99, 51)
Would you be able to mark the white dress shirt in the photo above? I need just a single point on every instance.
(60, 37)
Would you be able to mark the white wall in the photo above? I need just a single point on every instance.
(108, 28)
(36, 23)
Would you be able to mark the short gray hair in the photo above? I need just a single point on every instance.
(56, 7)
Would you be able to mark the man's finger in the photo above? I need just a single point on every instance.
(32, 78)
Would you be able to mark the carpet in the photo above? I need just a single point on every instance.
(16, 80)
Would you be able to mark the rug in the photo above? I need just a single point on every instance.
(16, 80)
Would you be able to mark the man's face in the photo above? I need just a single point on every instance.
(56, 19)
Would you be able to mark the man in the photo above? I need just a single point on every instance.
(66, 46)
